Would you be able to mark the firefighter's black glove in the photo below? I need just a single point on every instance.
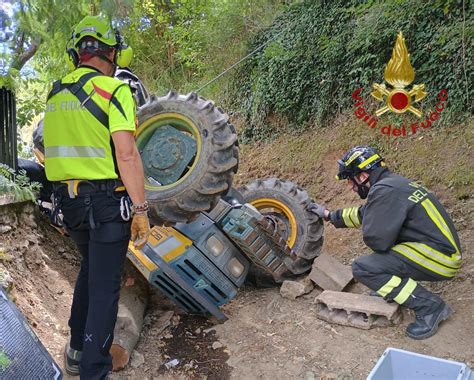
(319, 210)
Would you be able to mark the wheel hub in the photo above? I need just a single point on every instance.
(279, 223)
(167, 155)
(279, 212)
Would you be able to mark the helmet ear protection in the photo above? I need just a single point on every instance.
(72, 58)
(123, 56)
(71, 55)
(124, 52)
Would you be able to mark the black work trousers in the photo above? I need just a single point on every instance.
(95, 224)
(395, 279)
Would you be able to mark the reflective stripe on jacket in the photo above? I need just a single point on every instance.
(404, 217)
(77, 144)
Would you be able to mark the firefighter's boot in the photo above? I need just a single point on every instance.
(430, 311)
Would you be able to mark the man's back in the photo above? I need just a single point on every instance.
(400, 212)
(77, 141)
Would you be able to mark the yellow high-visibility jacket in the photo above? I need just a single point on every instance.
(82, 111)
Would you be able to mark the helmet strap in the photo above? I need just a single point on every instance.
(106, 59)
(362, 188)
(99, 54)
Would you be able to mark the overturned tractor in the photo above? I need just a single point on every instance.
(209, 238)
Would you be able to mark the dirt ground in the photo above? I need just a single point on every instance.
(266, 336)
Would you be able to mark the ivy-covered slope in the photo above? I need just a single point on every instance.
(324, 50)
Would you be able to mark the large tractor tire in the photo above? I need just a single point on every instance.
(189, 152)
(286, 205)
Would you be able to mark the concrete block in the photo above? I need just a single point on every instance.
(356, 310)
(292, 289)
(330, 274)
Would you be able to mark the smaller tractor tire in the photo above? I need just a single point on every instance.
(286, 204)
(189, 152)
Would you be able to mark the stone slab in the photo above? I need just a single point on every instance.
(330, 274)
(356, 310)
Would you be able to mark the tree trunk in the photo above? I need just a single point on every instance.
(132, 304)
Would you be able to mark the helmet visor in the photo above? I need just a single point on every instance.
(344, 172)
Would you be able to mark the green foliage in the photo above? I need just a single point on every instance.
(327, 49)
(30, 100)
(50, 22)
(183, 44)
(178, 44)
(17, 184)
(9, 80)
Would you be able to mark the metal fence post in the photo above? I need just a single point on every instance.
(8, 128)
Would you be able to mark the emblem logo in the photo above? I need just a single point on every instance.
(399, 73)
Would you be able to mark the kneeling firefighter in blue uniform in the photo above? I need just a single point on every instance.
(92, 160)
(411, 234)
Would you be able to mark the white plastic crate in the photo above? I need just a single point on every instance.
(395, 364)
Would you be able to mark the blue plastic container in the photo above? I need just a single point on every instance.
(396, 364)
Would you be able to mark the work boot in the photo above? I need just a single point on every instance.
(72, 358)
(430, 311)
(427, 325)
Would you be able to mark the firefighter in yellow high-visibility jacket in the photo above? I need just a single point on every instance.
(93, 162)
(411, 234)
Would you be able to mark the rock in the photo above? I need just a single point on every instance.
(137, 359)
(5, 229)
(328, 376)
(308, 284)
(309, 376)
(330, 274)
(28, 216)
(163, 321)
(292, 289)
(197, 331)
(147, 320)
(34, 255)
(33, 239)
(6, 281)
(175, 320)
(217, 345)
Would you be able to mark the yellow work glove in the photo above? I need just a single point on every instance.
(140, 230)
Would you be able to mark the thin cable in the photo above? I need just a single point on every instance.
(241, 60)
(466, 82)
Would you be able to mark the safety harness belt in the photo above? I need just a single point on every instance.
(86, 99)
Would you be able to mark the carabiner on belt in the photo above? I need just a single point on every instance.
(125, 208)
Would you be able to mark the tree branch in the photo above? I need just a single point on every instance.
(22, 58)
